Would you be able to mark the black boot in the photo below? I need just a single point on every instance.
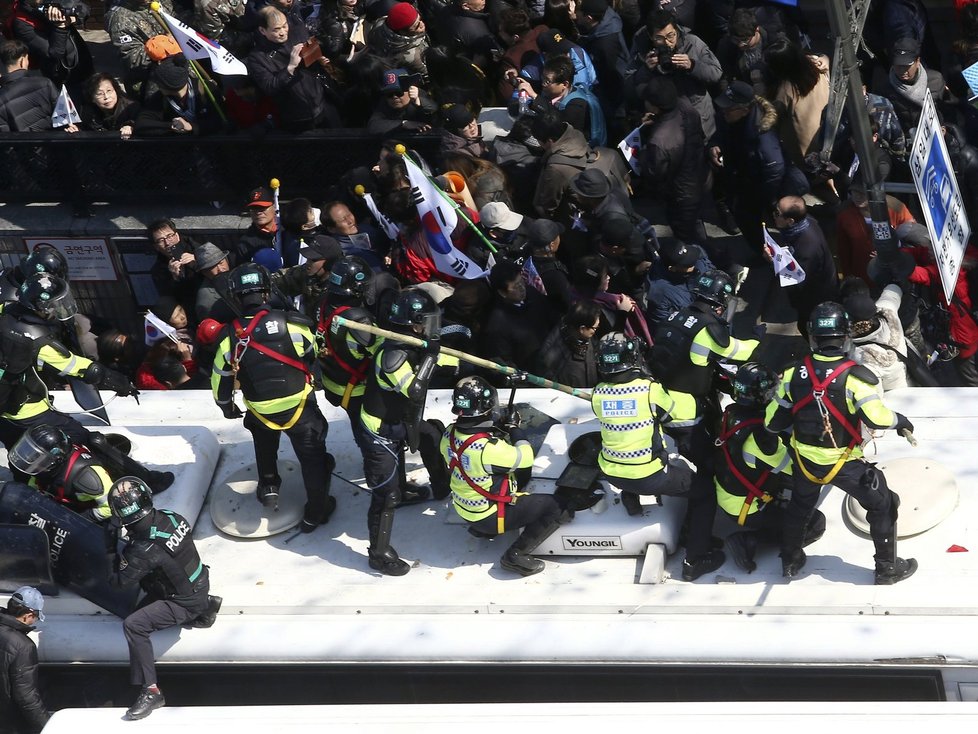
(694, 568)
(124, 465)
(312, 519)
(147, 702)
(517, 557)
(892, 573)
(743, 546)
(268, 491)
(632, 503)
(411, 493)
(815, 528)
(380, 555)
(207, 619)
(792, 562)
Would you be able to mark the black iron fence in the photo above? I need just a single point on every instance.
(88, 167)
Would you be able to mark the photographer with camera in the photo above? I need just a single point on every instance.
(49, 30)
(664, 48)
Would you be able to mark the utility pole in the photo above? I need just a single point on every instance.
(846, 26)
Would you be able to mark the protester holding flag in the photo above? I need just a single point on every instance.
(802, 235)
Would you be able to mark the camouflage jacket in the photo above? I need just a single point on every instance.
(211, 16)
(130, 23)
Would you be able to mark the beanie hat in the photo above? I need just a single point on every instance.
(401, 17)
(172, 73)
(164, 308)
(661, 92)
(457, 117)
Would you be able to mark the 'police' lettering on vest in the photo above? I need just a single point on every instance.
(619, 408)
(179, 534)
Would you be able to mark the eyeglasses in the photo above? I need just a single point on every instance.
(168, 237)
(592, 328)
(666, 38)
(549, 82)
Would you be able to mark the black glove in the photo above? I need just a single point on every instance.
(231, 411)
(903, 423)
(516, 433)
(432, 346)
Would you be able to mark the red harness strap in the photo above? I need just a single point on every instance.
(501, 499)
(356, 373)
(754, 491)
(60, 488)
(243, 336)
(818, 390)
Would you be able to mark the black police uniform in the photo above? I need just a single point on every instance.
(80, 482)
(269, 351)
(162, 558)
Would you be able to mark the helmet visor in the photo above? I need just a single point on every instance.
(30, 458)
(61, 307)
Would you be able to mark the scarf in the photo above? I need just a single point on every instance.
(635, 324)
(915, 91)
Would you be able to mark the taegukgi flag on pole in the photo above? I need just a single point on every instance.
(629, 148)
(195, 45)
(156, 329)
(786, 267)
(438, 219)
(390, 229)
(64, 110)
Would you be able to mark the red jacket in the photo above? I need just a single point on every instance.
(964, 330)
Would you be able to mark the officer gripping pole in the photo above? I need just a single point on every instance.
(471, 359)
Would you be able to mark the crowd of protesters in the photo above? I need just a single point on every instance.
(719, 93)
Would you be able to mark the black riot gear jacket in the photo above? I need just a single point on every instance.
(673, 340)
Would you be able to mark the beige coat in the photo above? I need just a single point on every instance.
(800, 117)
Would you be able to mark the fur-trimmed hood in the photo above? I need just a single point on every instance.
(769, 115)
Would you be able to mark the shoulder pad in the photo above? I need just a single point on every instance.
(718, 332)
(361, 316)
(392, 359)
(863, 373)
(299, 319)
(57, 346)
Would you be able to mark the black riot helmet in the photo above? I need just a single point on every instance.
(349, 276)
(618, 353)
(130, 500)
(44, 259)
(714, 287)
(250, 284)
(829, 327)
(39, 450)
(754, 385)
(414, 307)
(48, 296)
(474, 397)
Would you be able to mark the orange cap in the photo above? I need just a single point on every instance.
(159, 47)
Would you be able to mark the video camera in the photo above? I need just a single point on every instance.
(70, 8)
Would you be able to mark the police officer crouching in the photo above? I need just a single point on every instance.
(825, 400)
(753, 468)
(270, 353)
(632, 408)
(161, 557)
(66, 471)
(484, 455)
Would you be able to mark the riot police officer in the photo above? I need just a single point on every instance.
(753, 467)
(632, 409)
(161, 557)
(26, 339)
(688, 344)
(270, 353)
(42, 259)
(483, 455)
(346, 355)
(68, 472)
(391, 419)
(825, 400)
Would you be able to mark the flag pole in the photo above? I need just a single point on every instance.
(402, 151)
(275, 185)
(205, 78)
(470, 358)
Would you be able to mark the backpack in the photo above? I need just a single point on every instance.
(598, 134)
